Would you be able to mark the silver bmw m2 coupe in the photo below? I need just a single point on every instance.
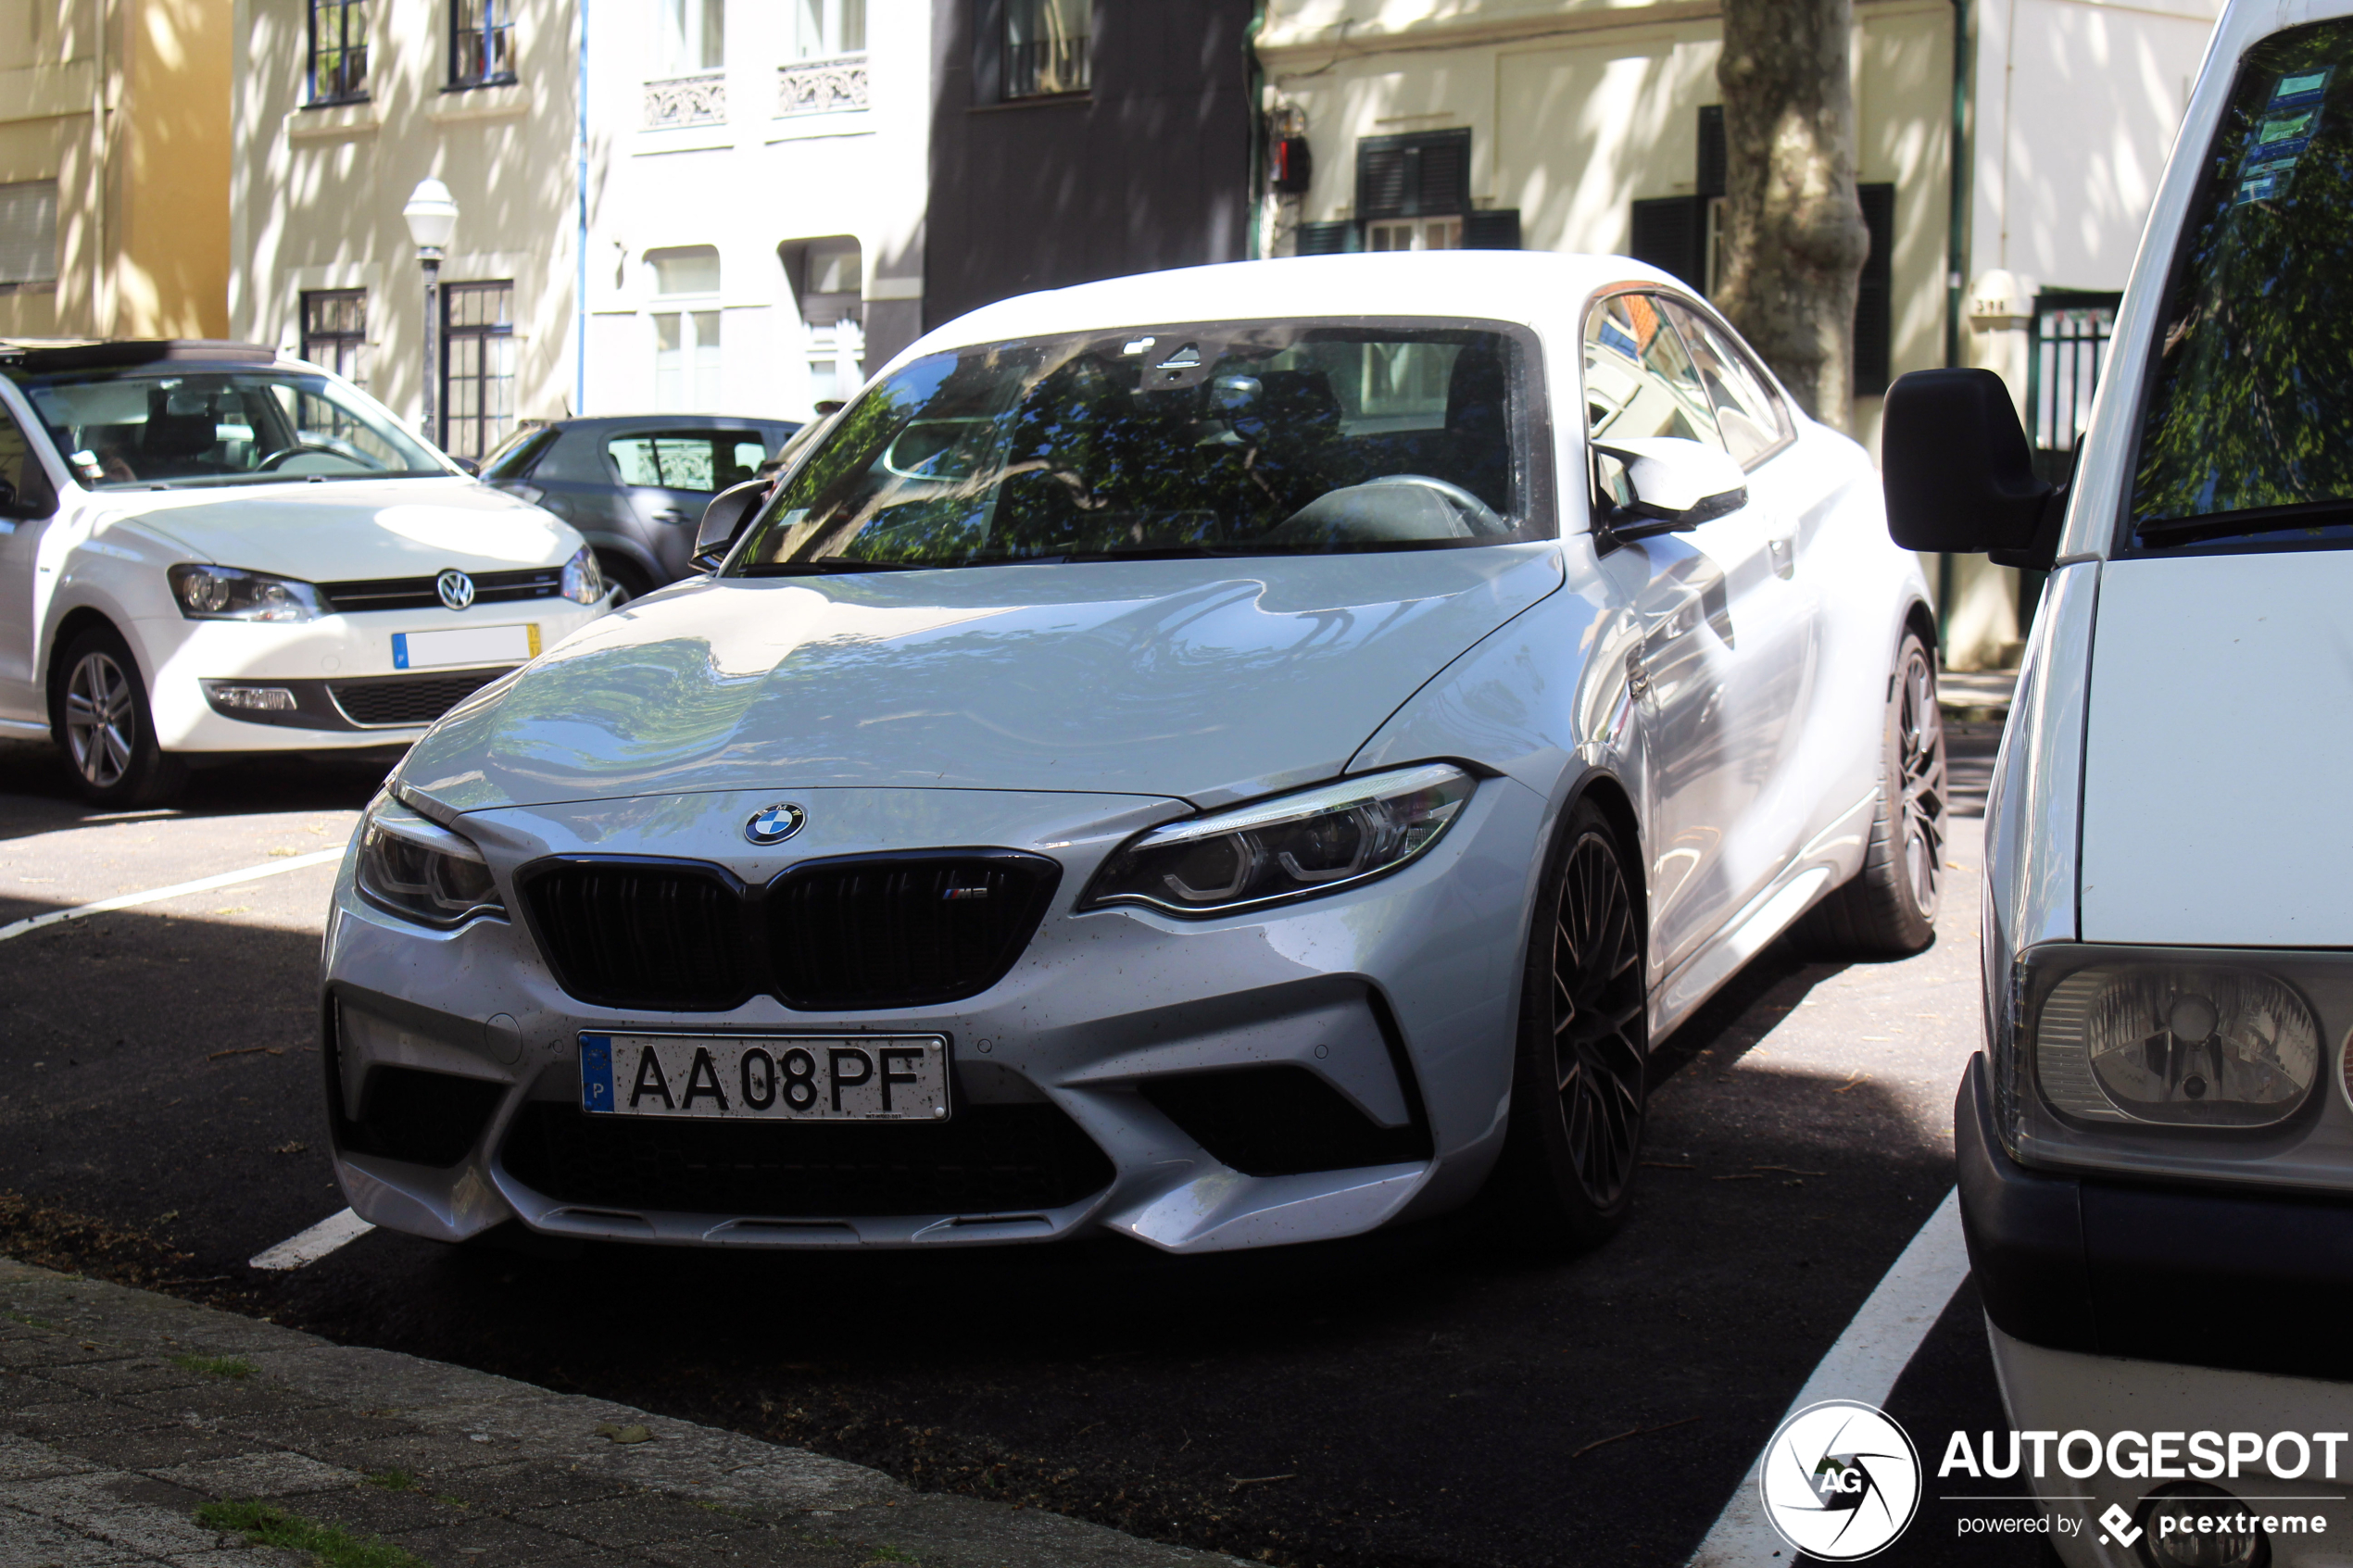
(1225, 757)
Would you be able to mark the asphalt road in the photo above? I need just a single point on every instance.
(1422, 1400)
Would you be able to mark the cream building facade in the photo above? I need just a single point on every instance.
(1586, 125)
(341, 107)
(756, 228)
(114, 168)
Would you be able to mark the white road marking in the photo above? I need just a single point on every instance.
(334, 1230)
(1863, 1365)
(155, 894)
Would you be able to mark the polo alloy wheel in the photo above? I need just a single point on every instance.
(102, 720)
(1920, 772)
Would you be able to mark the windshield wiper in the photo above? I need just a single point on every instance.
(2253, 519)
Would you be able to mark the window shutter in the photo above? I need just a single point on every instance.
(1326, 239)
(1380, 180)
(1671, 234)
(1875, 293)
(1495, 229)
(1426, 175)
(1445, 175)
(1711, 150)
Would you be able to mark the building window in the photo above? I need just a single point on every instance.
(829, 281)
(28, 237)
(481, 42)
(1047, 46)
(477, 365)
(338, 51)
(694, 36)
(687, 328)
(1415, 234)
(334, 331)
(823, 29)
(1875, 293)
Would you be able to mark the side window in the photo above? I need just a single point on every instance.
(1640, 382)
(21, 470)
(698, 460)
(1752, 417)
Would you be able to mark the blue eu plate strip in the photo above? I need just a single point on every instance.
(596, 1072)
(400, 650)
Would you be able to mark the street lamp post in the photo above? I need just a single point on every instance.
(432, 215)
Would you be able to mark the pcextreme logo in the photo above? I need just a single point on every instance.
(1841, 1481)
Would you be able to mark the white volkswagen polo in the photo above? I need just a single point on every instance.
(205, 548)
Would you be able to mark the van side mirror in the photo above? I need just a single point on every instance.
(1957, 474)
(724, 519)
(1676, 485)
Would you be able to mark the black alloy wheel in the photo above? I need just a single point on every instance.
(1888, 908)
(1580, 1090)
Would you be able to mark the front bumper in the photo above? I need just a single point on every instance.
(1399, 997)
(186, 662)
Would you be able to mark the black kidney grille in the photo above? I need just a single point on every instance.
(890, 932)
(624, 934)
(421, 701)
(984, 1160)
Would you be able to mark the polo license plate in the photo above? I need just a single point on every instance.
(770, 1078)
(465, 645)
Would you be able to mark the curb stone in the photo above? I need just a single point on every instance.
(107, 1447)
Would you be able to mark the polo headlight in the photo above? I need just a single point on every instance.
(421, 870)
(226, 592)
(1294, 847)
(584, 583)
(2165, 1060)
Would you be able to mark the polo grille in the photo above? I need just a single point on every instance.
(863, 931)
(418, 593)
(985, 1159)
(391, 704)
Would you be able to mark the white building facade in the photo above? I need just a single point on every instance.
(757, 190)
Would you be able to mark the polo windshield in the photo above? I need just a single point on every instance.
(1223, 439)
(172, 426)
(2251, 384)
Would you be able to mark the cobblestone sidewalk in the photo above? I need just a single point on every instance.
(122, 1413)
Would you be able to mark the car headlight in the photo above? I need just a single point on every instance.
(421, 870)
(2169, 1059)
(1294, 847)
(226, 592)
(584, 585)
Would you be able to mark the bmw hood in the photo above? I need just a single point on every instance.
(1209, 680)
(2216, 751)
(353, 529)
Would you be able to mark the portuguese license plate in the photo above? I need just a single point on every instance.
(465, 645)
(774, 1078)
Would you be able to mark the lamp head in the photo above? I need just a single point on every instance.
(431, 216)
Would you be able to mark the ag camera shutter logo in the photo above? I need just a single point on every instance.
(1841, 1481)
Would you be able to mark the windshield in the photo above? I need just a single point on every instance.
(2251, 395)
(169, 426)
(1220, 439)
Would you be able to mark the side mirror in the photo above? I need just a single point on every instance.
(469, 465)
(724, 519)
(1676, 485)
(1957, 474)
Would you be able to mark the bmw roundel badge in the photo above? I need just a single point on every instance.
(773, 824)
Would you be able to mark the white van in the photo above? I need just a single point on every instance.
(2156, 1145)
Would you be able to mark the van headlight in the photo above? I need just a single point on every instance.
(2163, 1059)
(226, 593)
(421, 870)
(583, 583)
(1294, 847)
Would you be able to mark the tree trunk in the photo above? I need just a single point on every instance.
(1793, 236)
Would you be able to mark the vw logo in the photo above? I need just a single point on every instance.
(776, 823)
(456, 589)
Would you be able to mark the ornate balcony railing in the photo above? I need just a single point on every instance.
(686, 100)
(822, 86)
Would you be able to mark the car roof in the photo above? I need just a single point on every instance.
(1523, 286)
(42, 356)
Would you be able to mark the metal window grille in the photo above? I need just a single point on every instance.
(1047, 48)
(477, 367)
(481, 42)
(334, 331)
(338, 51)
(2067, 351)
(28, 235)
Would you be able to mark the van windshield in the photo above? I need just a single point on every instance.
(1247, 438)
(2251, 393)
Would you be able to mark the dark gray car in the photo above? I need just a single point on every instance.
(635, 485)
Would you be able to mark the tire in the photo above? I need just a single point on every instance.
(1888, 908)
(627, 580)
(1582, 1063)
(105, 724)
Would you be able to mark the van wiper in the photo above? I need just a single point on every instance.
(2161, 531)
